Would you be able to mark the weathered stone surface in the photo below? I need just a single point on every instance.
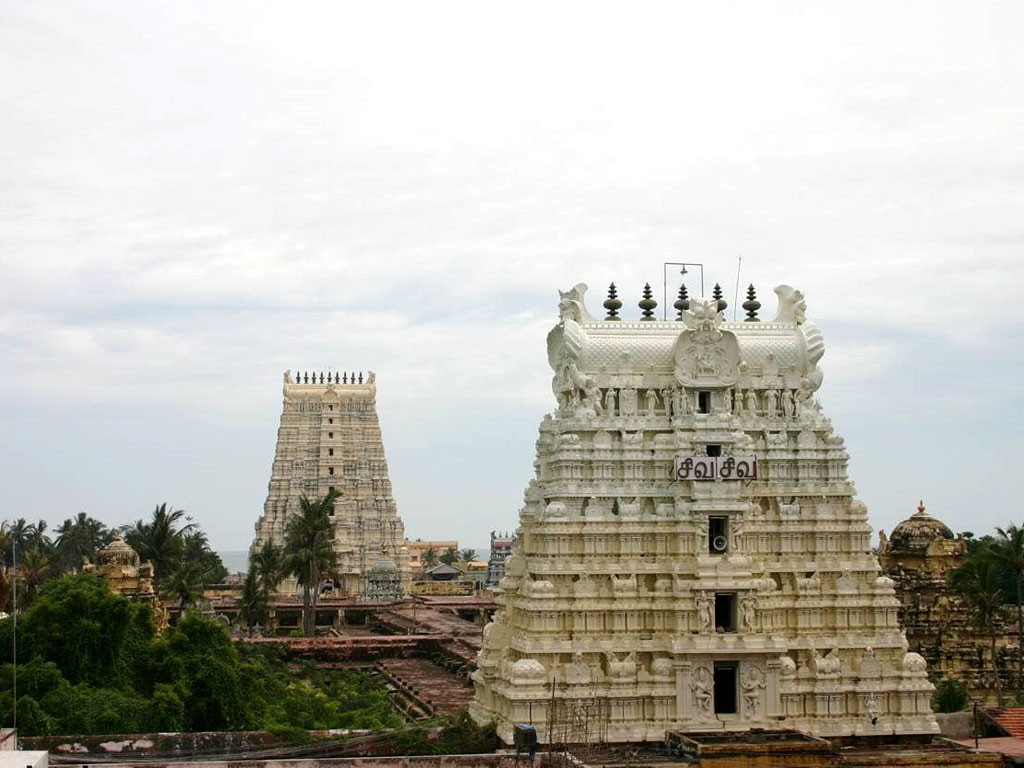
(691, 555)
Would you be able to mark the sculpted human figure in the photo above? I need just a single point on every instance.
(751, 402)
(753, 682)
(683, 402)
(651, 397)
(727, 401)
(704, 612)
(747, 610)
(772, 407)
(609, 402)
(667, 398)
(787, 404)
(702, 536)
(701, 686)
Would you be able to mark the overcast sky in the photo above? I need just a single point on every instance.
(196, 196)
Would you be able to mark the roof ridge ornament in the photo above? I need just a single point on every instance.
(612, 304)
(647, 304)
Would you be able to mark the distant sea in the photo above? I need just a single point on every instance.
(237, 560)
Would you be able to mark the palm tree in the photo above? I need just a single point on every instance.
(978, 581)
(20, 534)
(39, 540)
(309, 551)
(429, 557)
(252, 605)
(79, 539)
(159, 541)
(450, 556)
(185, 583)
(1008, 551)
(467, 555)
(32, 570)
(269, 565)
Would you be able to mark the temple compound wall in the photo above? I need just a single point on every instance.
(330, 438)
(691, 555)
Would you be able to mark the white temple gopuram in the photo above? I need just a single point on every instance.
(691, 555)
(330, 437)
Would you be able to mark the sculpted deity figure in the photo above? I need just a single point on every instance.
(702, 535)
(704, 612)
(747, 611)
(753, 682)
(734, 532)
(668, 399)
(609, 402)
(751, 402)
(727, 401)
(682, 403)
(628, 401)
(737, 403)
(787, 404)
(772, 406)
(702, 685)
(651, 398)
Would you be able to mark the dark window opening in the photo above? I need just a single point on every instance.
(330, 470)
(725, 611)
(330, 435)
(714, 450)
(718, 535)
(330, 407)
(703, 402)
(330, 421)
(330, 451)
(725, 688)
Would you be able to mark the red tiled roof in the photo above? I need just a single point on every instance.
(1011, 720)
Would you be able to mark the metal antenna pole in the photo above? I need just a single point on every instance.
(736, 295)
(14, 608)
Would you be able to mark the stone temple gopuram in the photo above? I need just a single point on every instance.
(330, 438)
(691, 555)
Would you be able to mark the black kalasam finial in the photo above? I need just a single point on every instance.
(321, 377)
(717, 295)
(612, 303)
(305, 378)
(682, 303)
(751, 305)
(344, 378)
(360, 377)
(647, 303)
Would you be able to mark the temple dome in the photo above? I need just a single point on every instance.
(119, 552)
(918, 532)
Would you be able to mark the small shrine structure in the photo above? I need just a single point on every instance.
(691, 555)
(119, 565)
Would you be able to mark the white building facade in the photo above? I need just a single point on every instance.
(690, 554)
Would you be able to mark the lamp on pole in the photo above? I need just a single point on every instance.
(682, 272)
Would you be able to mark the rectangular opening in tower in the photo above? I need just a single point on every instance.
(718, 535)
(725, 611)
(703, 402)
(725, 688)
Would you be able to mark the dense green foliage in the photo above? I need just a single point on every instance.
(950, 696)
(90, 661)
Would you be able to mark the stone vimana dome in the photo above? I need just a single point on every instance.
(917, 532)
(691, 554)
(119, 552)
